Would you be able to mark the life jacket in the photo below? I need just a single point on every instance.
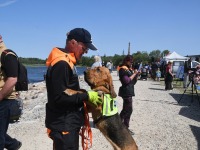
(58, 55)
(127, 90)
(128, 71)
(125, 68)
(109, 105)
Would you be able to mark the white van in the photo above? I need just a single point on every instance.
(194, 64)
(176, 65)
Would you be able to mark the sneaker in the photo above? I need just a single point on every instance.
(131, 132)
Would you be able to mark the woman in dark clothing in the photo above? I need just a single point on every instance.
(168, 77)
(128, 78)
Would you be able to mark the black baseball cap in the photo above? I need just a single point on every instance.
(81, 35)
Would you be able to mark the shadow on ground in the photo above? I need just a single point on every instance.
(191, 112)
(196, 132)
(185, 99)
(159, 89)
(158, 101)
(190, 107)
(155, 83)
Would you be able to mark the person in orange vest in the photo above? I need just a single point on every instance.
(64, 113)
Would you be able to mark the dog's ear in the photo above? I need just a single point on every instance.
(111, 86)
(100, 78)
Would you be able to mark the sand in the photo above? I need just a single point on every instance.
(158, 121)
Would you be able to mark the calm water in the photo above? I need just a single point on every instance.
(36, 74)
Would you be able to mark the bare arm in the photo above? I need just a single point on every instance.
(170, 71)
(8, 87)
(134, 75)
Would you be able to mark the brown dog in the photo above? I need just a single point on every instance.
(112, 128)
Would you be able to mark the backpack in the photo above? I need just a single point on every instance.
(22, 79)
(16, 109)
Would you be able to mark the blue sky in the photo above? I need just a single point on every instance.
(33, 27)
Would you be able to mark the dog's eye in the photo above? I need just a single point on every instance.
(98, 69)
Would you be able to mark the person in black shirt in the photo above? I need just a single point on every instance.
(187, 67)
(8, 79)
(64, 113)
(128, 78)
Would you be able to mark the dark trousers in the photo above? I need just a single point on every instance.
(62, 141)
(126, 110)
(5, 140)
(168, 82)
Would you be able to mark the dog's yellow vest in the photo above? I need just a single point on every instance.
(109, 105)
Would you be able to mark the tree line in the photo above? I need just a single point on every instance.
(32, 61)
(138, 57)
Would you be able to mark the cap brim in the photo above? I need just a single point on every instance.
(91, 46)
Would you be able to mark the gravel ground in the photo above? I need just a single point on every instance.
(158, 121)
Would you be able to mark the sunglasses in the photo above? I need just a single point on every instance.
(85, 49)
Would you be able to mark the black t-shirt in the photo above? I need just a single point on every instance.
(63, 112)
(10, 65)
(187, 66)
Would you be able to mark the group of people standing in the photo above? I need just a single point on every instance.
(64, 113)
(98, 63)
(191, 74)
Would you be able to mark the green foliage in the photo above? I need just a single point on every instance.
(141, 57)
(86, 61)
(138, 57)
(156, 54)
(32, 61)
(165, 53)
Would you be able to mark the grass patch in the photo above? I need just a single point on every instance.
(178, 84)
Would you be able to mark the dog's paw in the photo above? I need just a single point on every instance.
(71, 92)
(100, 93)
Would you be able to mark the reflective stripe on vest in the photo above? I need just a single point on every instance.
(109, 105)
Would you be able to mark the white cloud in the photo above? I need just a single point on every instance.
(7, 3)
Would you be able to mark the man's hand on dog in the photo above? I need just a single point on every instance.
(94, 98)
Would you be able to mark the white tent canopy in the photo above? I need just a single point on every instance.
(175, 56)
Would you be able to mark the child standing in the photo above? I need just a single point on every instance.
(158, 74)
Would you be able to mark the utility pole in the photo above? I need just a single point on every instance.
(129, 48)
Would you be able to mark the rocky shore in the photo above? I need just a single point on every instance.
(158, 121)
